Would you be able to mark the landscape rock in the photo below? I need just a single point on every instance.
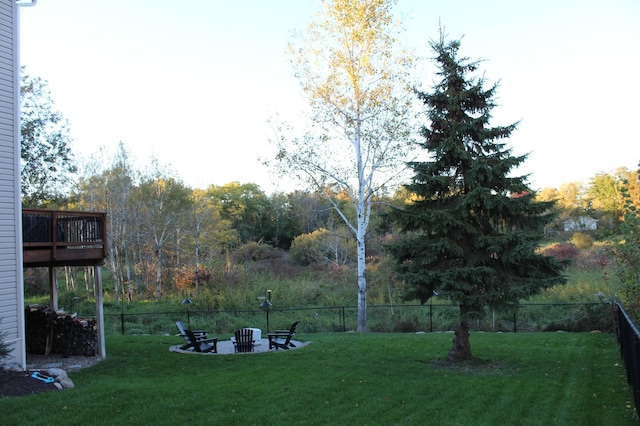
(61, 377)
(12, 367)
(56, 372)
(65, 382)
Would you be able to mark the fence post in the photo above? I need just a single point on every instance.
(431, 318)
(122, 322)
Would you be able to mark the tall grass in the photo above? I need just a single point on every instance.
(318, 288)
(372, 379)
(583, 285)
(223, 309)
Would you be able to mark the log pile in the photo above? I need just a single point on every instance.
(59, 332)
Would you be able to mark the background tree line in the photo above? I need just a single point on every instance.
(166, 237)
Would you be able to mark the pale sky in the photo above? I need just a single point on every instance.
(193, 83)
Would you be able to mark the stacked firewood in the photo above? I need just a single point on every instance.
(59, 332)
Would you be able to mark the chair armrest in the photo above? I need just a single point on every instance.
(200, 335)
(197, 336)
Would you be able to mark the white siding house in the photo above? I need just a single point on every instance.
(11, 283)
(583, 223)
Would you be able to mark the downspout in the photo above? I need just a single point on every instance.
(20, 344)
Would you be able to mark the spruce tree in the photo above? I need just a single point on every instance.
(471, 231)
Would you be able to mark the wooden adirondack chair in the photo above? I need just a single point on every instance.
(281, 339)
(197, 340)
(243, 340)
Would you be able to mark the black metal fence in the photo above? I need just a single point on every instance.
(380, 318)
(629, 340)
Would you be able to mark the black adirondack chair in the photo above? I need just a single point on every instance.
(199, 334)
(281, 339)
(243, 340)
(197, 340)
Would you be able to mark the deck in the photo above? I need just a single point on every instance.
(63, 238)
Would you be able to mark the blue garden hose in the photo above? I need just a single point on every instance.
(37, 375)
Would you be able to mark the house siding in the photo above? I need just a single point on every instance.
(583, 223)
(11, 284)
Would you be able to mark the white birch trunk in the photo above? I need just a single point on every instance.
(362, 283)
(114, 274)
(197, 278)
(159, 276)
(159, 267)
(361, 231)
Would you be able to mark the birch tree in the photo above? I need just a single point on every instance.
(355, 80)
(207, 229)
(164, 201)
(110, 190)
(120, 183)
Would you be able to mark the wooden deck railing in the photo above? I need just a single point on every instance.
(58, 238)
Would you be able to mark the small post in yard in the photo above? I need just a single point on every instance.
(266, 306)
(187, 302)
(435, 293)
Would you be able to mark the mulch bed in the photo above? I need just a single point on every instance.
(21, 383)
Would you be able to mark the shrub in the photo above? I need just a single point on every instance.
(305, 249)
(594, 259)
(581, 240)
(185, 278)
(585, 318)
(323, 246)
(4, 346)
(561, 251)
(255, 251)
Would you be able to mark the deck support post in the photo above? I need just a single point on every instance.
(53, 286)
(101, 350)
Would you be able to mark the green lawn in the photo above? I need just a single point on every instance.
(348, 378)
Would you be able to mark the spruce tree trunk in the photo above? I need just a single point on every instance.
(461, 348)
